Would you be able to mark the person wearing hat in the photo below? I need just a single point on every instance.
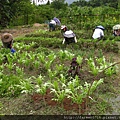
(69, 36)
(116, 30)
(52, 25)
(7, 40)
(98, 32)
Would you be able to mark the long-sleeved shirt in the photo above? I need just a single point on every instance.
(98, 33)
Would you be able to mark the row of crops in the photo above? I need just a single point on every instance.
(42, 63)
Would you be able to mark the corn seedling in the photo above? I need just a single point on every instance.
(26, 86)
(59, 95)
(19, 71)
(41, 87)
(79, 59)
(93, 68)
(52, 74)
(36, 64)
(94, 85)
(41, 57)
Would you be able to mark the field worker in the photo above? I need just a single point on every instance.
(98, 32)
(69, 36)
(54, 23)
(7, 40)
(116, 30)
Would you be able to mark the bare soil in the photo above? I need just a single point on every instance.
(23, 30)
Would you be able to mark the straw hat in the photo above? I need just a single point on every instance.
(6, 37)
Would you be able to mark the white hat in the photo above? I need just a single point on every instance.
(63, 26)
(116, 27)
(101, 27)
(6, 37)
(69, 34)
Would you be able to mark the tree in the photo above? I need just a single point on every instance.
(59, 4)
(79, 3)
(110, 3)
(9, 9)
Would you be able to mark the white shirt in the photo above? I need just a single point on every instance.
(98, 33)
(53, 22)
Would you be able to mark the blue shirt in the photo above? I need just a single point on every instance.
(12, 50)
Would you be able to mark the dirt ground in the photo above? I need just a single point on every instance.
(22, 30)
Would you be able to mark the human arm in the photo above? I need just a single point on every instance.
(75, 39)
(63, 41)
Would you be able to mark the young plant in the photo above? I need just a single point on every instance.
(26, 86)
(41, 57)
(93, 68)
(52, 74)
(50, 58)
(94, 85)
(59, 95)
(36, 64)
(19, 71)
(41, 87)
(62, 55)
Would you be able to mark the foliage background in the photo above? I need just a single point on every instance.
(78, 15)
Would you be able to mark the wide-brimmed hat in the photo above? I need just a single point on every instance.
(101, 27)
(6, 37)
(69, 34)
(116, 27)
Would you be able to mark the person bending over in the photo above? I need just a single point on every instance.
(69, 36)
